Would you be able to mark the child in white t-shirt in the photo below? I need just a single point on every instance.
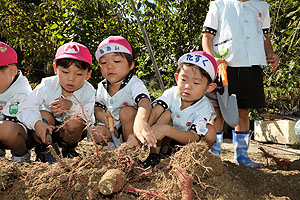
(123, 94)
(182, 114)
(14, 88)
(63, 104)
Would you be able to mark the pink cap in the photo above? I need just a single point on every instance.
(7, 55)
(113, 44)
(203, 60)
(74, 51)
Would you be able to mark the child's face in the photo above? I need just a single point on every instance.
(192, 85)
(114, 67)
(6, 76)
(71, 78)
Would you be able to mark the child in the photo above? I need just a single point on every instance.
(122, 94)
(236, 33)
(66, 99)
(14, 88)
(182, 113)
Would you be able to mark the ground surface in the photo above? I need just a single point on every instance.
(191, 173)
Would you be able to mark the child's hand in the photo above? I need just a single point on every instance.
(60, 105)
(161, 131)
(220, 60)
(100, 134)
(132, 141)
(143, 133)
(273, 59)
(41, 129)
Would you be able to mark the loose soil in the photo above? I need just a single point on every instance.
(191, 173)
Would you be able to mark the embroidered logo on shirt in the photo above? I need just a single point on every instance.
(259, 18)
(188, 123)
(222, 53)
(125, 103)
(13, 108)
(72, 48)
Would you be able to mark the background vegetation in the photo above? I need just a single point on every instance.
(37, 28)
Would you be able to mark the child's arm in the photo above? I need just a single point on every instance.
(207, 45)
(28, 110)
(156, 112)
(60, 105)
(30, 115)
(40, 129)
(101, 115)
(141, 127)
(183, 137)
(271, 56)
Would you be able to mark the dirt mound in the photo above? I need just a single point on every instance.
(191, 173)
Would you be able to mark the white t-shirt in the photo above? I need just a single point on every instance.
(18, 91)
(49, 90)
(132, 90)
(238, 29)
(194, 117)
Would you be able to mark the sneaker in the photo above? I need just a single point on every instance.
(2, 152)
(21, 159)
(43, 154)
(69, 153)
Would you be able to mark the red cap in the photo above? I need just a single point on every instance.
(203, 60)
(113, 44)
(7, 55)
(74, 51)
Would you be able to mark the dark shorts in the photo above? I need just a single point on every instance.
(247, 84)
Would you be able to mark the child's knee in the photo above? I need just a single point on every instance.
(127, 113)
(72, 131)
(165, 118)
(100, 134)
(10, 130)
(210, 136)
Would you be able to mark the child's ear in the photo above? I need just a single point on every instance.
(13, 70)
(132, 65)
(88, 76)
(211, 87)
(54, 67)
(176, 77)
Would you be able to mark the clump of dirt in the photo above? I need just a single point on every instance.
(192, 172)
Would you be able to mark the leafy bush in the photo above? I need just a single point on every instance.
(37, 28)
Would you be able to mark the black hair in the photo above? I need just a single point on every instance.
(6, 66)
(127, 56)
(202, 71)
(67, 62)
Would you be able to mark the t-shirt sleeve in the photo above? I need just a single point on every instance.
(28, 112)
(99, 101)
(266, 22)
(139, 91)
(211, 21)
(165, 99)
